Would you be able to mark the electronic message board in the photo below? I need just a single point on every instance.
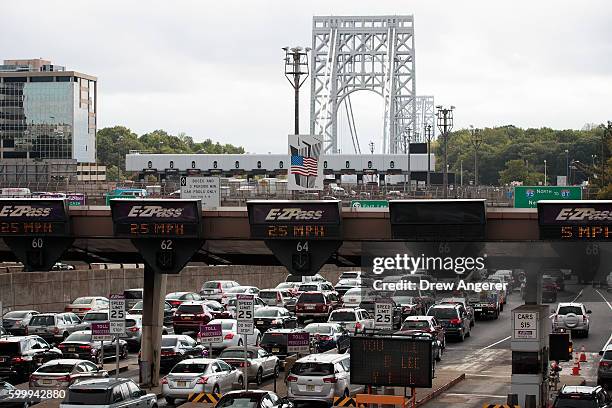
(575, 220)
(297, 220)
(391, 361)
(33, 217)
(423, 220)
(156, 218)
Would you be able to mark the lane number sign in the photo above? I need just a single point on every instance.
(245, 309)
(383, 315)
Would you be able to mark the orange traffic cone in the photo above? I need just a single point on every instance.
(583, 358)
(576, 368)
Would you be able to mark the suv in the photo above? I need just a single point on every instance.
(589, 397)
(572, 316)
(275, 341)
(107, 392)
(453, 318)
(15, 322)
(214, 289)
(321, 377)
(354, 320)
(323, 287)
(485, 303)
(54, 326)
(189, 316)
(313, 305)
(20, 356)
(604, 370)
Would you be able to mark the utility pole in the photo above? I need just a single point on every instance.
(428, 132)
(445, 124)
(476, 139)
(296, 67)
(545, 176)
(567, 167)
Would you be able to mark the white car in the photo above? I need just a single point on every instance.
(572, 316)
(80, 306)
(199, 375)
(350, 275)
(232, 293)
(274, 297)
(354, 320)
(63, 372)
(354, 297)
(229, 328)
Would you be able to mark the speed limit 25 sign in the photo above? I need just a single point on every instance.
(245, 309)
(383, 315)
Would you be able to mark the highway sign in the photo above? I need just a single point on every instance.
(201, 188)
(298, 342)
(525, 325)
(369, 203)
(528, 197)
(101, 332)
(211, 333)
(117, 308)
(245, 309)
(383, 315)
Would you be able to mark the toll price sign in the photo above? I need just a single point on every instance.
(298, 342)
(525, 325)
(211, 333)
(245, 309)
(383, 315)
(101, 332)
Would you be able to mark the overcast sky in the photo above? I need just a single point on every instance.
(214, 69)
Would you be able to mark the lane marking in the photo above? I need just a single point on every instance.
(487, 375)
(496, 343)
(604, 298)
(577, 296)
(461, 394)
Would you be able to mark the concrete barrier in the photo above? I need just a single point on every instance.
(51, 291)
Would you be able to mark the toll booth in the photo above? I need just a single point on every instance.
(529, 345)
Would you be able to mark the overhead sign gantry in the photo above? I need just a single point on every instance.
(301, 234)
(36, 230)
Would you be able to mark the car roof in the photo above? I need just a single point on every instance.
(99, 383)
(198, 361)
(418, 318)
(578, 389)
(445, 305)
(250, 348)
(82, 332)
(63, 361)
(284, 331)
(570, 304)
(322, 358)
(194, 302)
(348, 309)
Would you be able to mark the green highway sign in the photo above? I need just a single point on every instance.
(369, 203)
(528, 196)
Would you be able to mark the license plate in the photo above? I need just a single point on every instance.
(275, 349)
(2, 359)
(187, 318)
(71, 349)
(310, 387)
(478, 310)
(182, 384)
(310, 307)
(260, 322)
(47, 382)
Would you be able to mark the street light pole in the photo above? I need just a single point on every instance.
(428, 131)
(408, 135)
(476, 139)
(545, 177)
(567, 167)
(445, 124)
(296, 66)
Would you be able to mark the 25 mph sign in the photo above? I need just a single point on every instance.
(245, 309)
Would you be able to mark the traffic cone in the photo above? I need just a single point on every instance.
(576, 367)
(583, 358)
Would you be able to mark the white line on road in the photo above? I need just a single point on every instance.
(577, 296)
(460, 394)
(495, 344)
(604, 298)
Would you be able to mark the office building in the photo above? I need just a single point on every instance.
(47, 112)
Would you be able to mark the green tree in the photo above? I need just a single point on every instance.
(114, 143)
(518, 170)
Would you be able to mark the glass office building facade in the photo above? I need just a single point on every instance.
(48, 115)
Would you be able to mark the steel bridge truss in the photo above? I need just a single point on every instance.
(425, 115)
(363, 53)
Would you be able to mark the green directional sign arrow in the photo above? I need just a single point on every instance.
(528, 196)
(369, 203)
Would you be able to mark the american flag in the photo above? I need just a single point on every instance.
(304, 166)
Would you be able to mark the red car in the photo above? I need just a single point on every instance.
(428, 324)
(313, 305)
(190, 315)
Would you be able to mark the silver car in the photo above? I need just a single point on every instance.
(54, 327)
(260, 363)
(572, 316)
(61, 373)
(80, 306)
(321, 377)
(199, 375)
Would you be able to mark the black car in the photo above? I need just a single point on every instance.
(453, 318)
(275, 341)
(328, 336)
(176, 348)
(582, 397)
(168, 311)
(15, 322)
(274, 317)
(253, 399)
(80, 345)
(20, 356)
(558, 277)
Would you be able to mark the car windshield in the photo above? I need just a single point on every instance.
(607, 355)
(283, 285)
(95, 316)
(88, 396)
(190, 309)
(353, 292)
(267, 294)
(15, 315)
(312, 369)
(138, 305)
(82, 301)
(56, 368)
(79, 337)
(236, 354)
(238, 402)
(569, 402)
(42, 321)
(267, 313)
(169, 341)
(342, 317)
(308, 288)
(274, 338)
(189, 368)
(237, 289)
(443, 313)
(403, 300)
(227, 325)
(133, 294)
(175, 295)
(316, 328)
(311, 298)
(349, 275)
(563, 310)
(211, 285)
(415, 324)
(349, 282)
